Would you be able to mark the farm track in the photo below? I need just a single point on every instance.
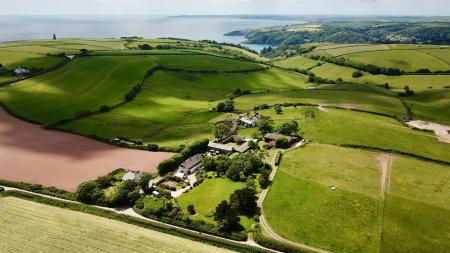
(132, 213)
(264, 223)
(385, 162)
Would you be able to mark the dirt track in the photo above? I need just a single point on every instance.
(51, 158)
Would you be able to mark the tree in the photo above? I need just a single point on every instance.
(84, 52)
(221, 131)
(289, 128)
(104, 108)
(357, 74)
(90, 192)
(237, 92)
(191, 209)
(264, 180)
(226, 217)
(145, 47)
(244, 201)
(282, 142)
(253, 145)
(265, 125)
(143, 181)
(227, 106)
(278, 109)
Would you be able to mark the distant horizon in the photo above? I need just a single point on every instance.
(227, 7)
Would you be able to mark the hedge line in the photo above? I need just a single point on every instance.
(278, 158)
(195, 236)
(277, 245)
(393, 151)
(37, 188)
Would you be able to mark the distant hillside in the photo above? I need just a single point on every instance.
(350, 32)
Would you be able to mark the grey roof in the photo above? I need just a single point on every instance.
(273, 136)
(130, 175)
(192, 161)
(220, 146)
(242, 148)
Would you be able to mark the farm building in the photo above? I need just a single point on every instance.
(21, 71)
(189, 166)
(130, 175)
(246, 122)
(271, 138)
(242, 148)
(220, 148)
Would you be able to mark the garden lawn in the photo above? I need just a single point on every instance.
(33, 227)
(301, 206)
(207, 196)
(417, 207)
(415, 82)
(363, 100)
(337, 126)
(173, 108)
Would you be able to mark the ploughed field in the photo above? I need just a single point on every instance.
(51, 158)
(33, 227)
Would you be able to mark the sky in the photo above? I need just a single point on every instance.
(218, 7)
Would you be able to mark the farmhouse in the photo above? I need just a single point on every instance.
(189, 166)
(130, 175)
(248, 122)
(21, 71)
(220, 148)
(242, 148)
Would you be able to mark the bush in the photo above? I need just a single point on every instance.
(227, 106)
(289, 128)
(152, 147)
(264, 180)
(357, 74)
(191, 209)
(2, 189)
(278, 158)
(90, 192)
(104, 108)
(282, 142)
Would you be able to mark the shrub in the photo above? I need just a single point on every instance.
(104, 108)
(90, 192)
(191, 209)
(264, 180)
(227, 106)
(282, 142)
(289, 128)
(152, 147)
(278, 109)
(357, 74)
(278, 158)
(2, 189)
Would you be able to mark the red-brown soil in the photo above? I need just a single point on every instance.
(31, 154)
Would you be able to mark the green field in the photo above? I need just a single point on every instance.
(335, 50)
(299, 62)
(12, 59)
(363, 100)
(301, 207)
(337, 126)
(431, 105)
(415, 82)
(216, 190)
(406, 60)
(417, 207)
(173, 107)
(30, 227)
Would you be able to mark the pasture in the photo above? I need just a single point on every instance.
(337, 126)
(299, 62)
(415, 82)
(34, 227)
(51, 158)
(173, 108)
(354, 218)
(431, 105)
(301, 206)
(13, 59)
(363, 100)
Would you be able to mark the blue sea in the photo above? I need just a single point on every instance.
(198, 28)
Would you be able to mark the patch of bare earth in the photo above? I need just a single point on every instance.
(441, 131)
(349, 106)
(323, 107)
(31, 154)
(383, 162)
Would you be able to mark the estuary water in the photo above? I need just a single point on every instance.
(198, 28)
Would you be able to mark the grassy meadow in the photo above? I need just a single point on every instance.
(301, 206)
(173, 108)
(363, 100)
(34, 227)
(300, 62)
(337, 126)
(353, 218)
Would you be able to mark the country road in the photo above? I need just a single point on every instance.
(263, 221)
